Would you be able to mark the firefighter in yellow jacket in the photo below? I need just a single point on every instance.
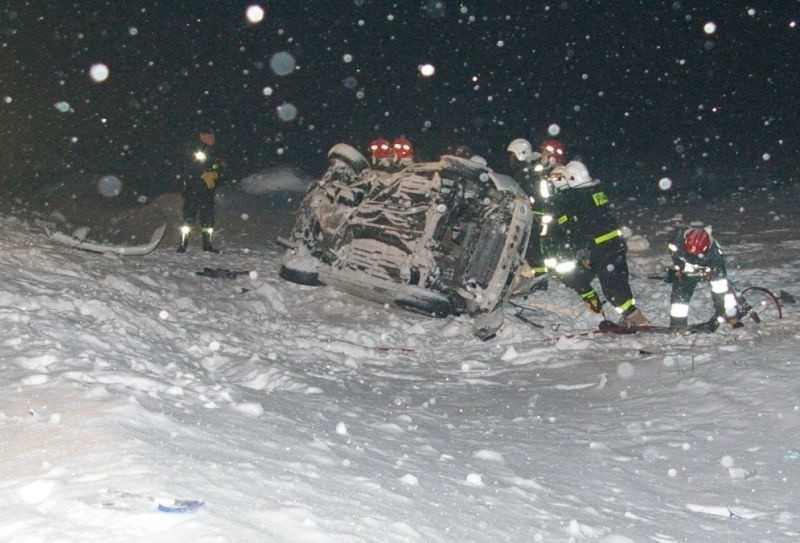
(199, 190)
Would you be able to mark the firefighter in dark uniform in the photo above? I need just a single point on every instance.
(584, 241)
(521, 158)
(528, 168)
(551, 154)
(381, 155)
(697, 257)
(199, 191)
(403, 152)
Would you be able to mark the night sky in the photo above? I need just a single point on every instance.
(705, 93)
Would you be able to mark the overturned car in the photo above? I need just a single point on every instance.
(437, 238)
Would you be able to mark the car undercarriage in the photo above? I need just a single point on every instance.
(436, 238)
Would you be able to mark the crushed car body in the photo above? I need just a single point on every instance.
(437, 238)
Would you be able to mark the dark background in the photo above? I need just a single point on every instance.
(638, 89)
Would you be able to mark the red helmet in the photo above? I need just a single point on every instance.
(696, 241)
(380, 148)
(552, 151)
(402, 148)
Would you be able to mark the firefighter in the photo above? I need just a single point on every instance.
(403, 152)
(381, 154)
(199, 191)
(696, 257)
(528, 169)
(551, 154)
(583, 241)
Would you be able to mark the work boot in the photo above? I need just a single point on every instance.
(185, 229)
(593, 303)
(633, 317)
(207, 247)
(679, 325)
(540, 284)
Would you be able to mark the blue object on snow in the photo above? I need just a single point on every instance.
(180, 506)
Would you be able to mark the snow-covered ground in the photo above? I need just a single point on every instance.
(302, 414)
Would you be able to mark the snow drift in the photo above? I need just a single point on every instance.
(303, 414)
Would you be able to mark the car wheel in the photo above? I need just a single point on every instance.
(430, 303)
(301, 276)
(350, 155)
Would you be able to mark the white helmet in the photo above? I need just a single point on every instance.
(577, 175)
(522, 149)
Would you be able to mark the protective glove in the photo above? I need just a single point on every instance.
(674, 275)
(526, 271)
(735, 322)
(701, 273)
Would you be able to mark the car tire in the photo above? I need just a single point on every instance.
(464, 167)
(350, 155)
(431, 304)
(300, 276)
